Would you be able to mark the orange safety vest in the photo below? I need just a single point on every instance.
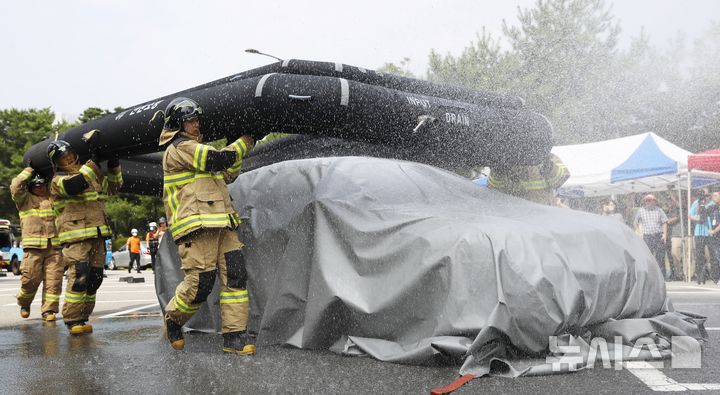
(133, 243)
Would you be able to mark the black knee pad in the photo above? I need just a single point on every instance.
(205, 286)
(94, 280)
(236, 272)
(82, 272)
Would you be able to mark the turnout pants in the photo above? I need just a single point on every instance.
(205, 254)
(41, 265)
(84, 260)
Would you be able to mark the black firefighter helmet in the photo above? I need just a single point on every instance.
(37, 180)
(57, 149)
(179, 110)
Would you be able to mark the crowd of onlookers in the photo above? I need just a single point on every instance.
(685, 245)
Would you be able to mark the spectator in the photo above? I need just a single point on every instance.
(674, 246)
(609, 209)
(162, 228)
(654, 227)
(153, 242)
(715, 237)
(133, 243)
(698, 213)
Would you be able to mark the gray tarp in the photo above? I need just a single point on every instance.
(409, 263)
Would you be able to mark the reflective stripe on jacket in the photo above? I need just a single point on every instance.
(37, 217)
(82, 216)
(195, 197)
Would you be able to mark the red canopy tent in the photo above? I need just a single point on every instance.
(706, 161)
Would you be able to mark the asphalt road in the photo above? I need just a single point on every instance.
(128, 354)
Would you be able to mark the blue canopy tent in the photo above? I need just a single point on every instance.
(640, 163)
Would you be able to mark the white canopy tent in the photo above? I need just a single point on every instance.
(640, 163)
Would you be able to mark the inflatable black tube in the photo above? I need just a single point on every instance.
(385, 80)
(333, 107)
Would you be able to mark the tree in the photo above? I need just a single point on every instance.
(20, 129)
(563, 59)
(564, 53)
(701, 104)
(392, 68)
(481, 66)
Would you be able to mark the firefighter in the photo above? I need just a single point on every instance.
(77, 192)
(42, 260)
(202, 221)
(152, 238)
(535, 183)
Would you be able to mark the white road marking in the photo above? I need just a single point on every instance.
(37, 302)
(713, 329)
(130, 310)
(658, 381)
(694, 287)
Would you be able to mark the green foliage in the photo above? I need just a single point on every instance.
(19, 129)
(392, 68)
(563, 58)
(481, 66)
(127, 211)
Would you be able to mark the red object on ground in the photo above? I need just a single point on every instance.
(707, 161)
(453, 386)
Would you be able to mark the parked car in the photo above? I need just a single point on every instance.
(121, 257)
(10, 251)
(108, 252)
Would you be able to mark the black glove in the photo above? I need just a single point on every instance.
(113, 162)
(257, 136)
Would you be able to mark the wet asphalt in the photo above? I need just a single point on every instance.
(127, 353)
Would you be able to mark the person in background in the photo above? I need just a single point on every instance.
(715, 237)
(698, 214)
(609, 209)
(654, 227)
(153, 242)
(674, 245)
(162, 228)
(630, 209)
(133, 244)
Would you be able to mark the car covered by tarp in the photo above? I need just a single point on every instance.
(412, 264)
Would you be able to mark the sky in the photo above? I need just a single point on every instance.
(74, 54)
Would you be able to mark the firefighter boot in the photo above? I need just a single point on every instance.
(25, 312)
(238, 343)
(48, 316)
(87, 328)
(174, 334)
(76, 327)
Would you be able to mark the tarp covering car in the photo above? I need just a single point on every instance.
(412, 264)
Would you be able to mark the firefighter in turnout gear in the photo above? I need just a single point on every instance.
(535, 183)
(42, 260)
(77, 192)
(203, 223)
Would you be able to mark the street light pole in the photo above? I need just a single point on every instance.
(256, 52)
